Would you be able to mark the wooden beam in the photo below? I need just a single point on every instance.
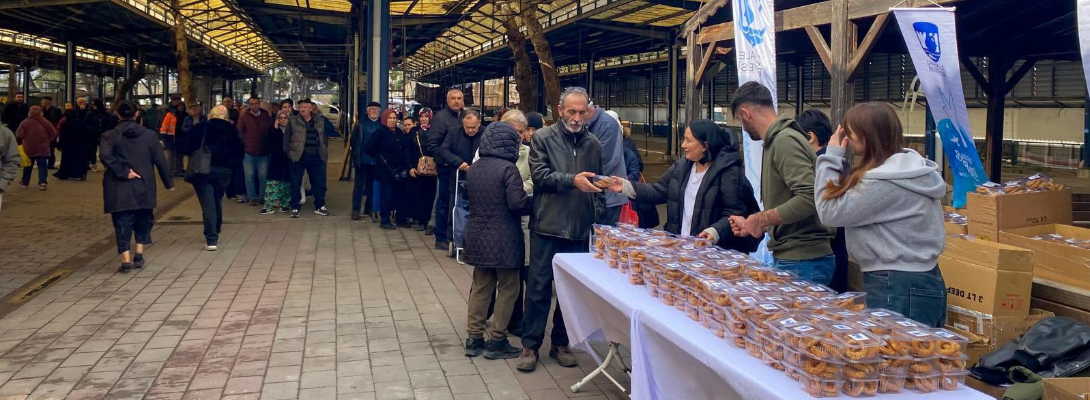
(814, 14)
(974, 72)
(706, 10)
(708, 55)
(869, 40)
(820, 45)
(1020, 73)
(842, 38)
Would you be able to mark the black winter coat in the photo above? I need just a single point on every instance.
(222, 140)
(445, 121)
(556, 156)
(458, 147)
(279, 163)
(723, 192)
(497, 202)
(131, 146)
(391, 152)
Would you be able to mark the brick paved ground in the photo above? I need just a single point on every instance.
(314, 308)
(43, 229)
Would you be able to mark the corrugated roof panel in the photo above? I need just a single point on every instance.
(422, 7)
(646, 14)
(675, 21)
(324, 5)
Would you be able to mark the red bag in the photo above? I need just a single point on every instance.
(628, 215)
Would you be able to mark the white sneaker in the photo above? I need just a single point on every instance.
(211, 247)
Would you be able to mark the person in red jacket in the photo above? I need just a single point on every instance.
(37, 133)
(253, 125)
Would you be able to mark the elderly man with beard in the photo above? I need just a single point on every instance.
(563, 159)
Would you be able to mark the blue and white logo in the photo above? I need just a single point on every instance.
(751, 26)
(928, 35)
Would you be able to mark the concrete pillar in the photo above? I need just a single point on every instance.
(70, 72)
(378, 51)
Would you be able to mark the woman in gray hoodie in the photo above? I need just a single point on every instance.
(889, 207)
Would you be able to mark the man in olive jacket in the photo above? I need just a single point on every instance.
(798, 241)
(308, 150)
(563, 158)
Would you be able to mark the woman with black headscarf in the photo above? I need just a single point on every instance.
(703, 190)
(75, 143)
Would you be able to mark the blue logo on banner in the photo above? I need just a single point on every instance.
(751, 29)
(964, 160)
(928, 35)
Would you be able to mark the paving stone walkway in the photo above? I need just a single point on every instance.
(313, 308)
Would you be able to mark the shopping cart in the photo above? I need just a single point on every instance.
(459, 216)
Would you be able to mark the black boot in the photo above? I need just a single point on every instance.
(138, 260)
(474, 347)
(125, 268)
(501, 350)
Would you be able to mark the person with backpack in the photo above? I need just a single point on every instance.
(703, 189)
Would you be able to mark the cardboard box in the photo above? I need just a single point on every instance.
(1054, 261)
(987, 277)
(1067, 389)
(988, 215)
(991, 330)
(952, 228)
(984, 289)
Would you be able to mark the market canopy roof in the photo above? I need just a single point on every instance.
(479, 36)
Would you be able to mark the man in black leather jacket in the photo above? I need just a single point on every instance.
(563, 159)
(446, 120)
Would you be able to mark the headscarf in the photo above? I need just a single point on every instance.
(278, 114)
(429, 113)
(717, 139)
(385, 115)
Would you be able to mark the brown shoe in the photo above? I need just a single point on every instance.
(563, 356)
(527, 361)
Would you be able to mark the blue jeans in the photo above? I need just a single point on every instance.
(361, 187)
(260, 166)
(43, 170)
(918, 295)
(816, 270)
(314, 167)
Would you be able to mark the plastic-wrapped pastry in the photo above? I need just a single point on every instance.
(819, 387)
(860, 387)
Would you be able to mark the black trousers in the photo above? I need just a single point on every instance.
(210, 191)
(403, 200)
(128, 223)
(424, 197)
(361, 188)
(539, 290)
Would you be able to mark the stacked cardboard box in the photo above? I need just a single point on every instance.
(954, 220)
(1054, 261)
(988, 332)
(987, 277)
(1067, 389)
(988, 215)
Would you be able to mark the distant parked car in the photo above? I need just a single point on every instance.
(332, 113)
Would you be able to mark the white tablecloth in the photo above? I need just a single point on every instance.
(673, 357)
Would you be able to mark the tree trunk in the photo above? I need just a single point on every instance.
(525, 84)
(181, 54)
(544, 56)
(138, 73)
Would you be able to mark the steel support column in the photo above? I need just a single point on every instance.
(378, 51)
(70, 72)
(929, 133)
(26, 82)
(671, 96)
(710, 87)
(482, 98)
(506, 90)
(128, 71)
(166, 84)
(798, 91)
(993, 148)
(650, 121)
(590, 76)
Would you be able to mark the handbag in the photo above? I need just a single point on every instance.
(200, 162)
(425, 166)
(628, 215)
(399, 175)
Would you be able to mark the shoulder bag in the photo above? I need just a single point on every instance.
(425, 166)
(200, 162)
(399, 174)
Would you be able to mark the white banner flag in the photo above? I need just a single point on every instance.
(755, 54)
(1083, 11)
(931, 37)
